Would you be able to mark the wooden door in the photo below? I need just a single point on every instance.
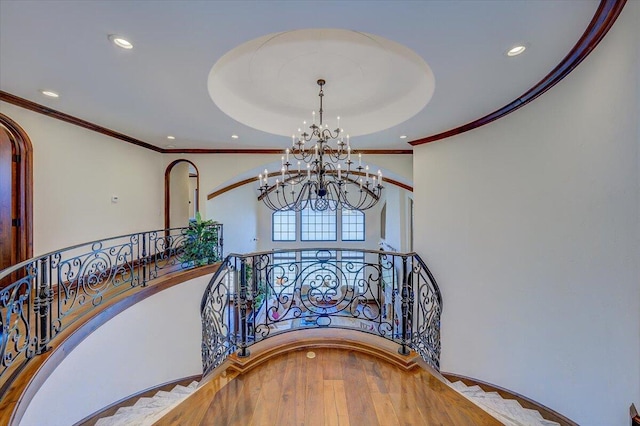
(8, 169)
(16, 196)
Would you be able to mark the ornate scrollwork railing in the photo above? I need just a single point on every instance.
(255, 296)
(42, 296)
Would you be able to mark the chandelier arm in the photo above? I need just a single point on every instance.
(365, 187)
(277, 198)
(323, 183)
(328, 134)
(335, 155)
(270, 188)
(302, 155)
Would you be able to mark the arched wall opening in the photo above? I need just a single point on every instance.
(16, 194)
(181, 193)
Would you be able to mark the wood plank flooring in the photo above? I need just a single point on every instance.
(337, 387)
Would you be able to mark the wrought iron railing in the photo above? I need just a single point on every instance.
(255, 296)
(41, 297)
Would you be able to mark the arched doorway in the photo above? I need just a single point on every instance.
(16, 194)
(181, 193)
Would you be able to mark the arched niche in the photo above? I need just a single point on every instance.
(16, 194)
(181, 193)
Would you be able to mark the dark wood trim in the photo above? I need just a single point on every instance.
(17, 398)
(50, 112)
(276, 151)
(167, 190)
(230, 187)
(222, 151)
(384, 151)
(546, 412)
(24, 187)
(604, 18)
(253, 179)
(294, 340)
(398, 184)
(130, 400)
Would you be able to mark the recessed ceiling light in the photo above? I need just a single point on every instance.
(120, 41)
(516, 50)
(50, 94)
(234, 136)
(170, 146)
(171, 137)
(403, 137)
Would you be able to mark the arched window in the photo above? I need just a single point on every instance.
(283, 225)
(318, 225)
(352, 225)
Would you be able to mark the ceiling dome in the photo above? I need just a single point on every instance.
(372, 83)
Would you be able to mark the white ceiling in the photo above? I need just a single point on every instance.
(159, 88)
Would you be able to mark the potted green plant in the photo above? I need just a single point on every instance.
(201, 242)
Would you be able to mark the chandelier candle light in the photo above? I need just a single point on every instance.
(324, 177)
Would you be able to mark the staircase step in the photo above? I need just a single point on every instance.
(179, 389)
(142, 402)
(534, 413)
(458, 386)
(166, 395)
(119, 420)
(147, 410)
(507, 411)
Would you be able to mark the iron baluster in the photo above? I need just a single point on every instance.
(404, 350)
(254, 294)
(380, 288)
(143, 260)
(220, 241)
(244, 352)
(277, 291)
(42, 306)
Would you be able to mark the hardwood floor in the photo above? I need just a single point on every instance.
(337, 387)
(19, 392)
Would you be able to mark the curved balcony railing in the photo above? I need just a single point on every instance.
(255, 296)
(41, 297)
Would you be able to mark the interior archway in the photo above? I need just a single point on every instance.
(181, 193)
(16, 194)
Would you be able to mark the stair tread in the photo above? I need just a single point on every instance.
(508, 411)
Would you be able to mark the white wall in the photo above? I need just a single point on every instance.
(397, 219)
(237, 211)
(247, 225)
(76, 172)
(152, 342)
(192, 198)
(531, 225)
(218, 170)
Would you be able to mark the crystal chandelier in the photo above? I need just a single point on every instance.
(324, 176)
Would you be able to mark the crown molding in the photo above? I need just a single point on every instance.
(602, 21)
(50, 112)
(604, 18)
